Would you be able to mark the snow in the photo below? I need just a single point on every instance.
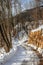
(19, 55)
(40, 51)
(22, 37)
(23, 55)
(6, 56)
(39, 28)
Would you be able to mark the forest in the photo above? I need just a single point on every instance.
(12, 13)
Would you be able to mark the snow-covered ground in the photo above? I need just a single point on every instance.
(39, 28)
(4, 57)
(22, 56)
(19, 55)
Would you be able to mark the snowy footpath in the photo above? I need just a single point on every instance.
(23, 57)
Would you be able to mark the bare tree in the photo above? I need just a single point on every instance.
(3, 28)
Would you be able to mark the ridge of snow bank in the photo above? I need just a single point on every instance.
(39, 28)
(6, 56)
